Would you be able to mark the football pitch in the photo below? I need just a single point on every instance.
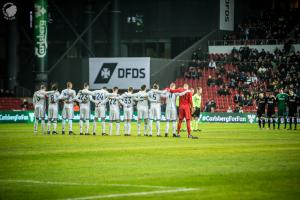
(228, 161)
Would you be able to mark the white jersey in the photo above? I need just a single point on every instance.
(154, 96)
(84, 103)
(171, 98)
(171, 110)
(39, 102)
(126, 100)
(83, 99)
(142, 99)
(100, 97)
(113, 102)
(68, 95)
(53, 97)
(114, 109)
(39, 98)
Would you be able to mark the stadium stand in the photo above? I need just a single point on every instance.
(233, 80)
(269, 27)
(244, 72)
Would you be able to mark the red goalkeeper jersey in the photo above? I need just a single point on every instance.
(185, 100)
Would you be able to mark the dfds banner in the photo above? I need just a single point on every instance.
(120, 72)
(227, 15)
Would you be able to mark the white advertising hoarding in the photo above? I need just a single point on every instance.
(227, 15)
(119, 72)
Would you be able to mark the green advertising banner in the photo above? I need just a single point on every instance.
(41, 39)
(228, 117)
(40, 28)
(28, 117)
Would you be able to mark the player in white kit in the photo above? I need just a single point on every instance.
(154, 97)
(127, 102)
(84, 103)
(114, 111)
(171, 110)
(100, 108)
(53, 99)
(68, 95)
(142, 109)
(39, 103)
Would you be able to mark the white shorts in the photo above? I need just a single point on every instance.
(171, 114)
(100, 112)
(52, 111)
(114, 115)
(128, 113)
(39, 112)
(68, 112)
(84, 111)
(143, 112)
(155, 111)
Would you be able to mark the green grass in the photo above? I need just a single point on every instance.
(229, 161)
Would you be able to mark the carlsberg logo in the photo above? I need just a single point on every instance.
(237, 119)
(251, 118)
(40, 28)
(41, 37)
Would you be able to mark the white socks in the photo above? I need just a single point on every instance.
(167, 127)
(87, 124)
(80, 125)
(70, 124)
(95, 126)
(150, 126)
(174, 127)
(118, 128)
(36, 122)
(54, 125)
(128, 128)
(43, 125)
(103, 126)
(139, 128)
(110, 128)
(63, 124)
(48, 125)
(125, 127)
(158, 127)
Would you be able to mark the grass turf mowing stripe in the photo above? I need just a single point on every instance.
(132, 194)
(88, 184)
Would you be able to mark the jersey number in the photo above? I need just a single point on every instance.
(127, 100)
(153, 96)
(52, 99)
(99, 97)
(83, 97)
(112, 101)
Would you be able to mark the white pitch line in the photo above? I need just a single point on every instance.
(46, 182)
(88, 184)
(143, 186)
(131, 194)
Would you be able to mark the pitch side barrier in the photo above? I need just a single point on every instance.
(28, 117)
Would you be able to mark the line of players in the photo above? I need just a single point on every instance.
(283, 101)
(100, 98)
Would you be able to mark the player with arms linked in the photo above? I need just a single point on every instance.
(271, 101)
(281, 99)
(261, 106)
(293, 102)
(68, 95)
